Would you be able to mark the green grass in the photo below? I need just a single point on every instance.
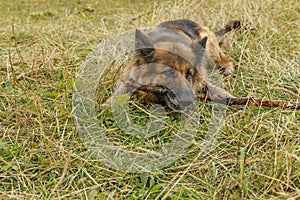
(44, 43)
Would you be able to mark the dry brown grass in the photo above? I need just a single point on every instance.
(43, 44)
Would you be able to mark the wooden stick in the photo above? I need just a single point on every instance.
(250, 101)
(145, 88)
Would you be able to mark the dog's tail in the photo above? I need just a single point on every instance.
(232, 25)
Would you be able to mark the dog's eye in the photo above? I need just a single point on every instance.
(189, 74)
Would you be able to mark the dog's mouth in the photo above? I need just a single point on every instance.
(165, 97)
(177, 98)
(177, 102)
(174, 100)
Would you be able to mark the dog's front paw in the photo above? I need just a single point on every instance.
(229, 72)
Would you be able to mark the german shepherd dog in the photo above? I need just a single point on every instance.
(176, 56)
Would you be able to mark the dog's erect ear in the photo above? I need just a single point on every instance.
(143, 44)
(199, 45)
(203, 42)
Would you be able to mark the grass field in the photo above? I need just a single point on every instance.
(44, 43)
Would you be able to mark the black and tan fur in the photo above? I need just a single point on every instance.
(176, 56)
(195, 32)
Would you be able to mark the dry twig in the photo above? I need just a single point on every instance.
(221, 99)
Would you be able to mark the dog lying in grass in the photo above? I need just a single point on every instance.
(212, 46)
(171, 63)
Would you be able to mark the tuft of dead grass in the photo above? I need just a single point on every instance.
(43, 44)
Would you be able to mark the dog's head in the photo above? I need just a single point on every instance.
(166, 58)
